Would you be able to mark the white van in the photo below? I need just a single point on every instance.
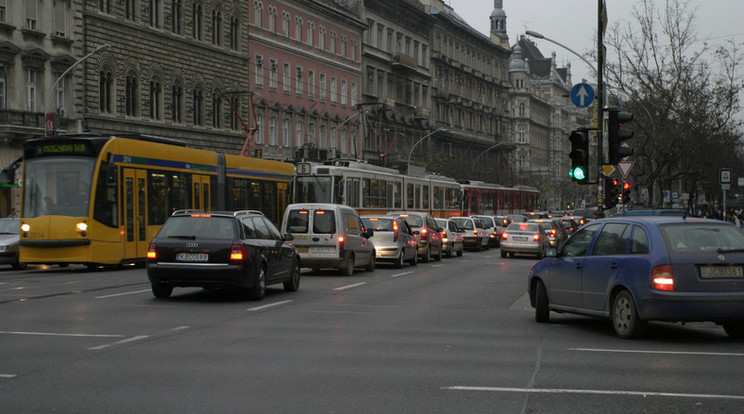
(329, 235)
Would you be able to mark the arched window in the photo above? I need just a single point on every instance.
(105, 90)
(272, 19)
(216, 27)
(177, 102)
(310, 38)
(257, 12)
(285, 23)
(131, 98)
(234, 33)
(298, 28)
(216, 110)
(198, 101)
(197, 21)
(522, 109)
(156, 99)
(176, 16)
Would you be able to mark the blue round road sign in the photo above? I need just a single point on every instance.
(582, 95)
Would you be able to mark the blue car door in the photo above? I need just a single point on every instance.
(565, 279)
(602, 266)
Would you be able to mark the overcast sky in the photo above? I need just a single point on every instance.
(573, 22)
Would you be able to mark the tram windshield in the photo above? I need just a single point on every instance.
(57, 186)
(313, 190)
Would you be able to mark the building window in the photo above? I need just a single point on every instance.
(285, 24)
(259, 128)
(234, 33)
(522, 138)
(286, 78)
(31, 79)
(177, 102)
(522, 109)
(272, 19)
(155, 13)
(104, 6)
(273, 75)
(299, 83)
(321, 37)
(325, 142)
(198, 100)
(216, 27)
(216, 110)
(334, 90)
(298, 28)
(311, 132)
(32, 14)
(343, 46)
(129, 9)
(60, 18)
(323, 90)
(156, 99)
(3, 88)
(259, 71)
(522, 161)
(333, 42)
(286, 141)
(131, 97)
(354, 100)
(235, 121)
(310, 33)
(176, 16)
(298, 133)
(59, 94)
(272, 131)
(344, 92)
(257, 12)
(311, 84)
(353, 49)
(198, 21)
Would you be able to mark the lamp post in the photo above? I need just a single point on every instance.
(51, 121)
(541, 36)
(485, 151)
(408, 164)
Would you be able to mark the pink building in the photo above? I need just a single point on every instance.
(305, 76)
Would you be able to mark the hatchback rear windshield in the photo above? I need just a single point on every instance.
(413, 221)
(522, 227)
(701, 237)
(464, 223)
(200, 227)
(378, 224)
(324, 221)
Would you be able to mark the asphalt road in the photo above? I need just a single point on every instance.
(456, 336)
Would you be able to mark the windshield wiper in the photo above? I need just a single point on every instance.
(720, 250)
(183, 237)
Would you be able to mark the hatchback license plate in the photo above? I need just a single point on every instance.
(192, 257)
(721, 272)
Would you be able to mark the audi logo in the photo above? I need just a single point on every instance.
(192, 244)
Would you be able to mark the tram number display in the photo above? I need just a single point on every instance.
(304, 168)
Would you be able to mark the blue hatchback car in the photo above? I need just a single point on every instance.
(632, 270)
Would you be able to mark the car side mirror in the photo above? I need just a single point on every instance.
(368, 233)
(551, 253)
(288, 237)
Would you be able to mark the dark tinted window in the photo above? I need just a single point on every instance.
(701, 237)
(612, 240)
(200, 227)
(298, 221)
(413, 221)
(378, 224)
(324, 222)
(638, 241)
(466, 224)
(579, 243)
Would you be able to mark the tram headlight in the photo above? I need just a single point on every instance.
(83, 226)
(25, 227)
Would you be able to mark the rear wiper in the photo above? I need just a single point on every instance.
(183, 237)
(720, 250)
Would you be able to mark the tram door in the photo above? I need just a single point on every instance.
(135, 213)
(201, 193)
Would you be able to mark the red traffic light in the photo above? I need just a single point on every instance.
(626, 186)
(614, 182)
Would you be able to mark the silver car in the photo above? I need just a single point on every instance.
(393, 239)
(452, 237)
(525, 238)
(9, 238)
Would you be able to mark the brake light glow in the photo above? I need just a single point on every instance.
(238, 252)
(536, 237)
(395, 230)
(320, 212)
(201, 215)
(341, 243)
(504, 236)
(662, 278)
(303, 212)
(424, 234)
(152, 252)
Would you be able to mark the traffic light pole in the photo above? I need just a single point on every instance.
(601, 22)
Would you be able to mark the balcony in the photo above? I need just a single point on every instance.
(401, 60)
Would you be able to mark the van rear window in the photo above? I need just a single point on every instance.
(324, 222)
(298, 221)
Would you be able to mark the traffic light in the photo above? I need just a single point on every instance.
(579, 155)
(626, 193)
(616, 135)
(612, 192)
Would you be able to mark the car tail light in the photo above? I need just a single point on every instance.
(238, 252)
(504, 235)
(341, 243)
(424, 234)
(552, 233)
(662, 278)
(536, 237)
(395, 231)
(152, 252)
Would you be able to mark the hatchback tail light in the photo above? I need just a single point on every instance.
(504, 235)
(662, 278)
(395, 231)
(152, 252)
(238, 252)
(424, 234)
(536, 237)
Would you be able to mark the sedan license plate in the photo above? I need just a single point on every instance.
(721, 272)
(520, 239)
(192, 257)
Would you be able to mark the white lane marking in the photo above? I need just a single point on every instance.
(630, 351)
(594, 392)
(123, 341)
(180, 328)
(7, 375)
(270, 305)
(439, 265)
(350, 286)
(123, 294)
(401, 274)
(61, 334)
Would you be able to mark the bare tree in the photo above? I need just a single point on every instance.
(684, 94)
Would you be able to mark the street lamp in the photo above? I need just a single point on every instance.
(51, 122)
(540, 36)
(408, 164)
(485, 151)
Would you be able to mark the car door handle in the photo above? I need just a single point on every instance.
(579, 266)
(316, 238)
(614, 266)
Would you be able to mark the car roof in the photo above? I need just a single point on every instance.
(660, 220)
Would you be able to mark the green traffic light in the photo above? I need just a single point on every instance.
(579, 173)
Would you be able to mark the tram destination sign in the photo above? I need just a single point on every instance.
(55, 147)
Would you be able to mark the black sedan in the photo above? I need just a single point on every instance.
(241, 249)
(632, 270)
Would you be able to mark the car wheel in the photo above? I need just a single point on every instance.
(438, 257)
(734, 329)
(348, 268)
(503, 253)
(542, 310)
(371, 265)
(398, 263)
(258, 291)
(19, 265)
(625, 317)
(451, 249)
(427, 255)
(161, 290)
(293, 284)
(459, 252)
(414, 259)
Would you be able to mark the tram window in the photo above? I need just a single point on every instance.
(409, 196)
(105, 205)
(179, 191)
(373, 193)
(417, 197)
(158, 190)
(438, 198)
(397, 196)
(425, 198)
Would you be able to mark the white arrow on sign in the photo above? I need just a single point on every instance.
(625, 167)
(582, 94)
